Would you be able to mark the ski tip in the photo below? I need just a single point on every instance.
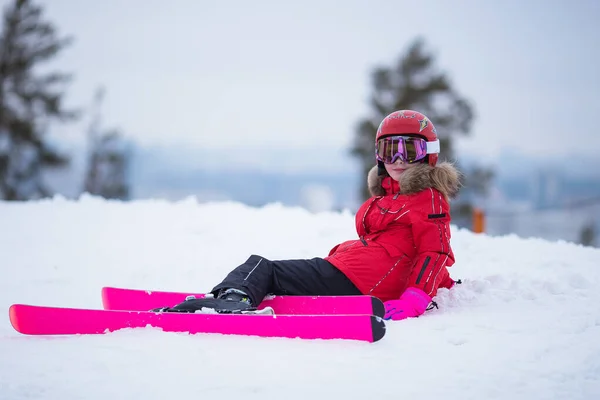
(378, 307)
(12, 315)
(377, 327)
(105, 302)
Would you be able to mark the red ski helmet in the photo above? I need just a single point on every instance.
(413, 123)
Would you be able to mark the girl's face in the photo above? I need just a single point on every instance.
(396, 169)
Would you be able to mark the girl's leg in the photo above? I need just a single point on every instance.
(258, 277)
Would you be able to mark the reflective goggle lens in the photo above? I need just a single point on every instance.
(407, 149)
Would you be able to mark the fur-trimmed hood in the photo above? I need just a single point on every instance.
(443, 177)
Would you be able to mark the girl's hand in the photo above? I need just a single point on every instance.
(412, 303)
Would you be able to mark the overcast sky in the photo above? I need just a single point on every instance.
(297, 73)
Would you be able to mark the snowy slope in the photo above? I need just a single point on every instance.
(524, 325)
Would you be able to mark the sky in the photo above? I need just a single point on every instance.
(523, 325)
(296, 75)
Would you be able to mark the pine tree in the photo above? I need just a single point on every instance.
(414, 84)
(587, 235)
(29, 101)
(108, 159)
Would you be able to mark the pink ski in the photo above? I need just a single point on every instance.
(144, 300)
(36, 320)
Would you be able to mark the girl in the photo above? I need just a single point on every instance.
(403, 248)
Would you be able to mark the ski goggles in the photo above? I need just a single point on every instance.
(407, 149)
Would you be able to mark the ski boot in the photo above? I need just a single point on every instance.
(228, 301)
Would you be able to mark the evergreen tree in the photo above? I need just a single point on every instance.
(587, 235)
(29, 101)
(414, 83)
(108, 163)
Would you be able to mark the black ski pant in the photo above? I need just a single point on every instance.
(259, 277)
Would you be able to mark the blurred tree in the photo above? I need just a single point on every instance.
(28, 101)
(587, 235)
(109, 155)
(413, 83)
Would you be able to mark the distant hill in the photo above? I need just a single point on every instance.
(533, 196)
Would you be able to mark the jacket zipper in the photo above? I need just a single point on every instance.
(423, 268)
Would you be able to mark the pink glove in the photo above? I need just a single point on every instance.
(412, 303)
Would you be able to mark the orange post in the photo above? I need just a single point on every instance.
(478, 220)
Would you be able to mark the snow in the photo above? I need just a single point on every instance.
(525, 324)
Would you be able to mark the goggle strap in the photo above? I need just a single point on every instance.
(433, 147)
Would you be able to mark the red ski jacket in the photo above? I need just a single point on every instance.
(404, 234)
